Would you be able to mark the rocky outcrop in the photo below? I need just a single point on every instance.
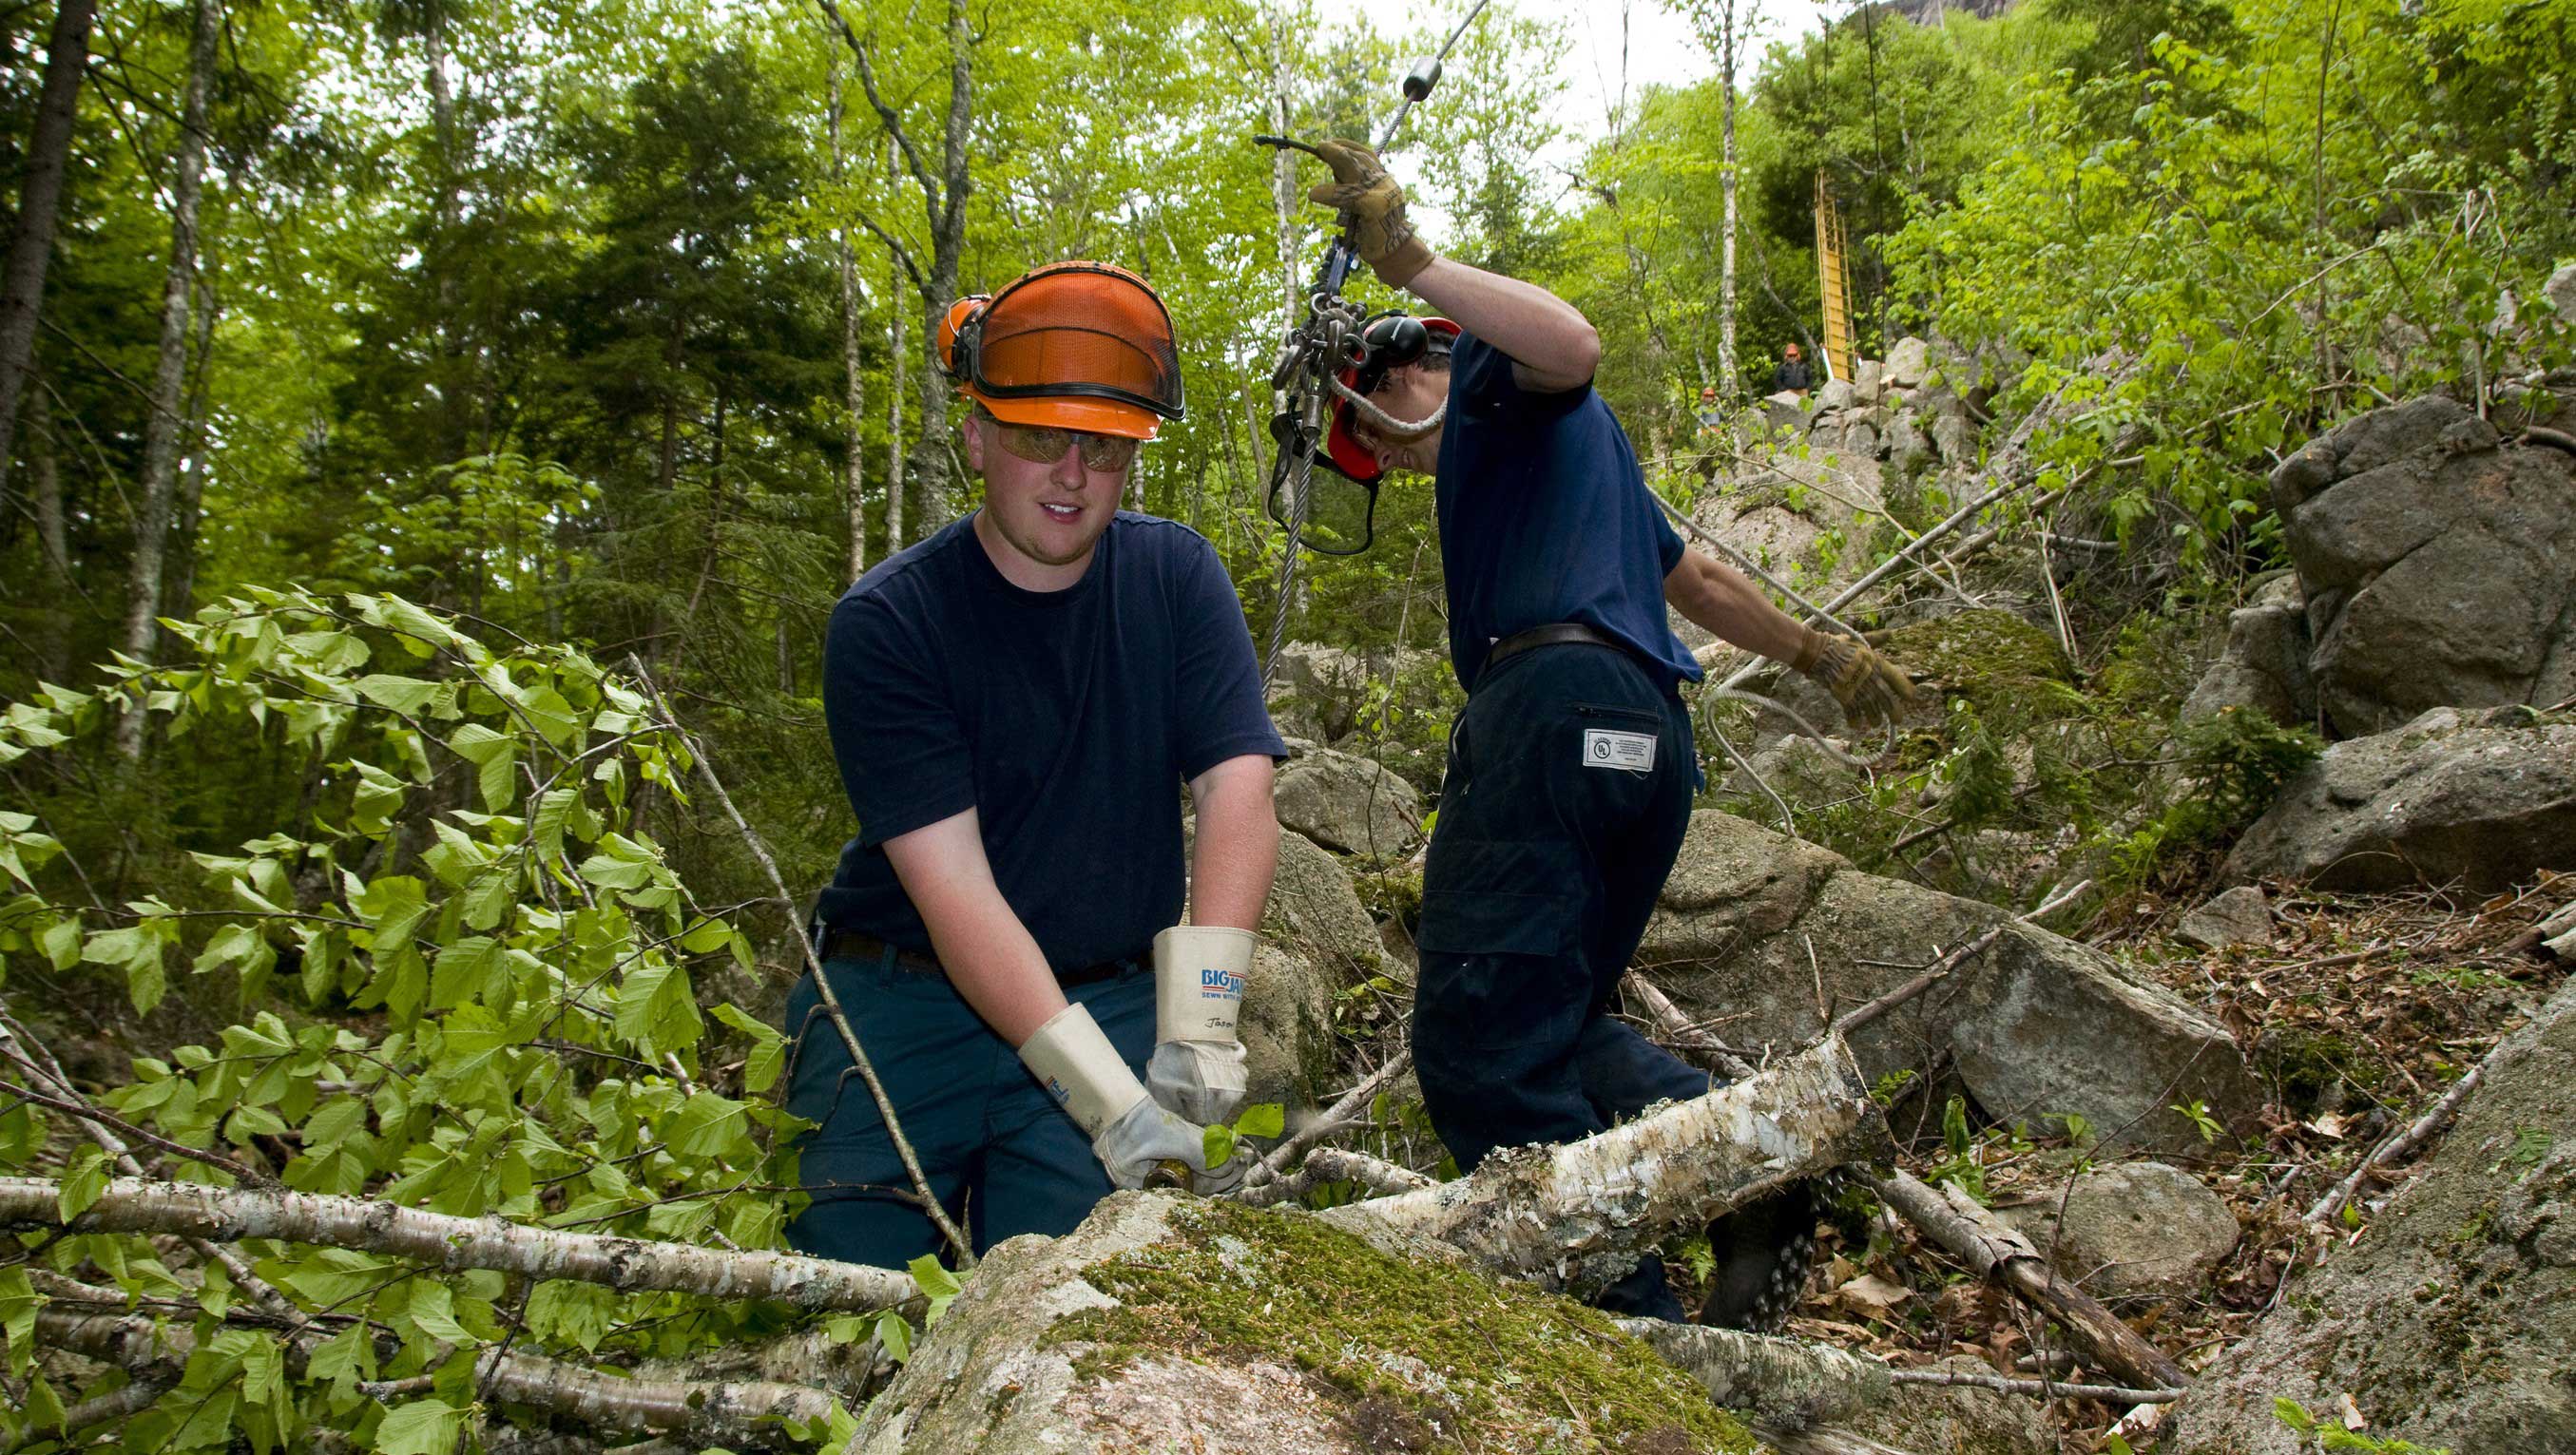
(2264, 666)
(2449, 1320)
(2438, 565)
(2479, 799)
(1770, 937)
(2134, 1230)
(1348, 803)
(1164, 1323)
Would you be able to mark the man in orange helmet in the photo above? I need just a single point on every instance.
(1572, 769)
(1012, 703)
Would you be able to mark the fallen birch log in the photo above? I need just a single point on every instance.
(160, 1350)
(1575, 1217)
(229, 1215)
(1998, 1253)
(1782, 1383)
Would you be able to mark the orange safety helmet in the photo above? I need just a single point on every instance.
(1071, 345)
(1388, 341)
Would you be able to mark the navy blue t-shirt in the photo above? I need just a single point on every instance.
(1545, 517)
(1068, 719)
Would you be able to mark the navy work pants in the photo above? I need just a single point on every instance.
(1554, 838)
(993, 1145)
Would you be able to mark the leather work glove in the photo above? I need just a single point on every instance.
(1870, 688)
(1363, 193)
(1130, 1132)
(1199, 976)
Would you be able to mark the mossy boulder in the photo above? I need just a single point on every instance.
(1167, 1323)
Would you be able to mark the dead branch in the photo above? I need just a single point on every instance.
(607, 1401)
(1854, 1019)
(108, 1408)
(2003, 1256)
(1334, 1164)
(2036, 1388)
(930, 1204)
(2404, 1144)
(19, 1047)
(134, 1205)
(1343, 1112)
(1577, 1216)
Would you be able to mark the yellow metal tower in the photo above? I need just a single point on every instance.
(1833, 279)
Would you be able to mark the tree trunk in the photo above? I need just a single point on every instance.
(40, 197)
(854, 468)
(231, 1214)
(894, 406)
(1726, 258)
(52, 538)
(181, 596)
(165, 425)
(1575, 1217)
(1285, 196)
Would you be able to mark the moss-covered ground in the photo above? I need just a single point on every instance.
(1428, 1356)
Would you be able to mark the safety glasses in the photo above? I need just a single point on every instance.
(1046, 444)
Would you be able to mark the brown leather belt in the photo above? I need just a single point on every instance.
(851, 945)
(1554, 634)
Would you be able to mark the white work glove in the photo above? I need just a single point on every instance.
(1130, 1132)
(1199, 975)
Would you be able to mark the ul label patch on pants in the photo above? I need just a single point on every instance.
(1634, 752)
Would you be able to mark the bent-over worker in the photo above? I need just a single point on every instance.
(1572, 768)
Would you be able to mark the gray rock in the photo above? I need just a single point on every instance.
(1315, 912)
(1834, 394)
(1779, 935)
(1868, 381)
(1955, 438)
(1169, 1323)
(1908, 364)
(2439, 568)
(1346, 802)
(2264, 666)
(2560, 293)
(2135, 1230)
(1778, 509)
(1287, 1028)
(1908, 448)
(2449, 1320)
(2482, 799)
(2240, 916)
(1785, 410)
(1859, 441)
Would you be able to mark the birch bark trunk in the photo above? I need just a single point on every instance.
(854, 380)
(165, 425)
(1575, 1217)
(221, 1214)
(40, 198)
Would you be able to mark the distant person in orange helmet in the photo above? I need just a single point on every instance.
(1791, 375)
(1013, 703)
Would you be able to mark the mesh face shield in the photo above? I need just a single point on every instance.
(1074, 345)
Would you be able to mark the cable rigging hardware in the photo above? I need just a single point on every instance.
(1316, 350)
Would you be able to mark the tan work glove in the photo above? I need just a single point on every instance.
(1870, 688)
(1362, 191)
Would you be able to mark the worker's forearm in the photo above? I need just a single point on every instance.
(1237, 849)
(996, 966)
(1540, 331)
(1723, 600)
